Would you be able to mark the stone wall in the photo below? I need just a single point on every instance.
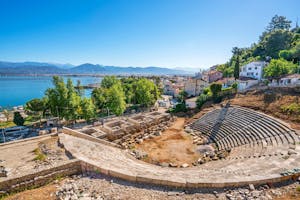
(87, 137)
(40, 178)
(32, 139)
(90, 169)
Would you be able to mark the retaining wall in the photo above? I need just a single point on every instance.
(88, 137)
(40, 178)
(182, 183)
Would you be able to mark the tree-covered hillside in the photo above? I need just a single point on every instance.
(279, 42)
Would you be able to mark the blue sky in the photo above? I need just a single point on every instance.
(167, 33)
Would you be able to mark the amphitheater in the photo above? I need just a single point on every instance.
(263, 150)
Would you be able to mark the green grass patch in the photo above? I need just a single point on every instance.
(7, 124)
(39, 155)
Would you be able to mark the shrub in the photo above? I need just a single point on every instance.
(18, 119)
(181, 107)
(215, 89)
(201, 100)
(293, 108)
(40, 156)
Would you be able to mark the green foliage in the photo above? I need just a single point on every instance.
(293, 108)
(109, 81)
(72, 107)
(57, 97)
(99, 97)
(235, 85)
(276, 41)
(18, 119)
(236, 72)
(181, 107)
(87, 109)
(116, 99)
(183, 95)
(146, 92)
(279, 67)
(201, 100)
(63, 101)
(286, 54)
(206, 91)
(279, 23)
(36, 105)
(39, 155)
(79, 88)
(215, 88)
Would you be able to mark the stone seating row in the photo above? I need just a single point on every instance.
(241, 126)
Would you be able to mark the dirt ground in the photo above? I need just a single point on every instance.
(173, 146)
(46, 192)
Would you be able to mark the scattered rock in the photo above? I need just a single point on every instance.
(291, 152)
(185, 165)
(251, 187)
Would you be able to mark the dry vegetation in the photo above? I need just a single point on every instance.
(279, 104)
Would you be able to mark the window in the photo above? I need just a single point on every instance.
(256, 74)
(249, 68)
(255, 67)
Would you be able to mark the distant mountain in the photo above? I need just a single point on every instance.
(87, 68)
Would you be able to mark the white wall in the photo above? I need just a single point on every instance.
(253, 70)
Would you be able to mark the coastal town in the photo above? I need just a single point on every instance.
(228, 128)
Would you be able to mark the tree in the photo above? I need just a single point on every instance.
(277, 68)
(236, 72)
(116, 99)
(18, 119)
(201, 100)
(109, 81)
(79, 88)
(99, 97)
(73, 102)
(37, 106)
(286, 54)
(57, 97)
(215, 89)
(276, 41)
(183, 95)
(87, 109)
(279, 23)
(146, 92)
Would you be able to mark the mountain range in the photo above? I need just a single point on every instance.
(39, 68)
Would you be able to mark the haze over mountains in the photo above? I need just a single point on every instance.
(40, 68)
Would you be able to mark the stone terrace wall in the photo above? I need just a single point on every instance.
(87, 137)
(29, 140)
(40, 178)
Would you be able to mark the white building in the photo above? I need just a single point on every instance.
(245, 83)
(288, 80)
(253, 70)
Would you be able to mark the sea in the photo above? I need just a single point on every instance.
(17, 90)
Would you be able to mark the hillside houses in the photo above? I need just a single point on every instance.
(286, 81)
(194, 86)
